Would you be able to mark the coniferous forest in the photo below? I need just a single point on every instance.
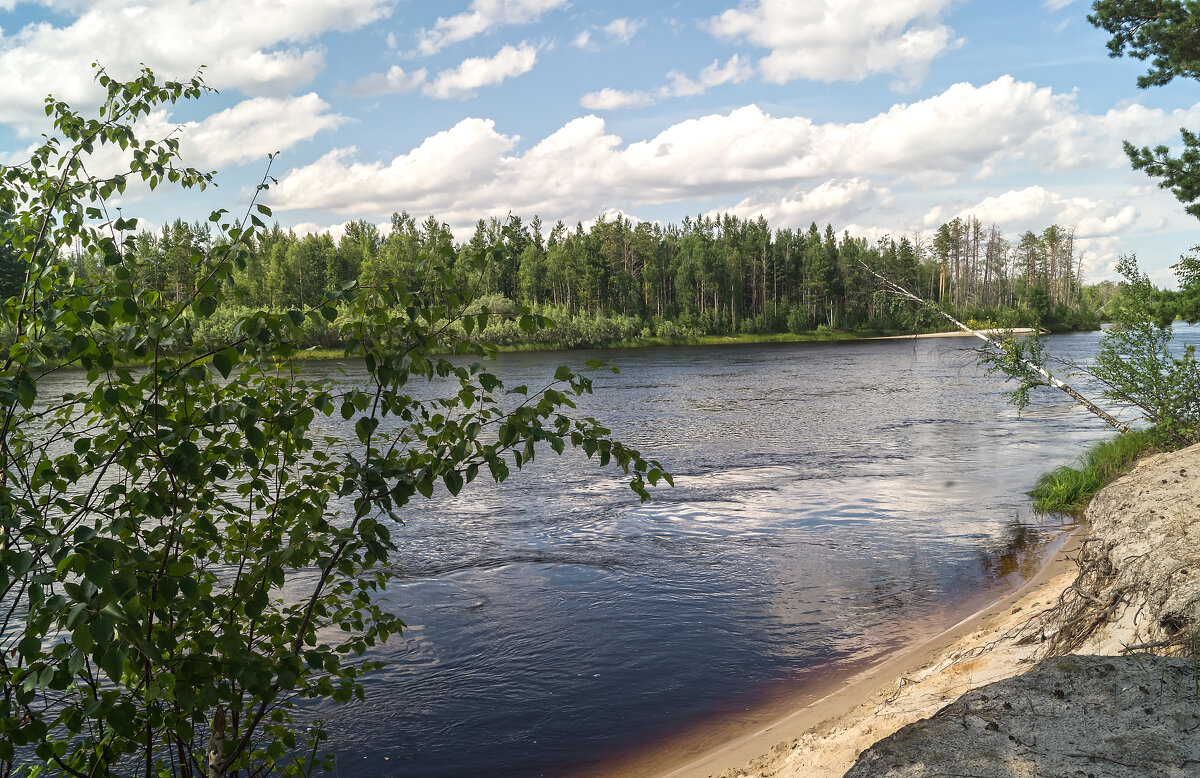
(620, 282)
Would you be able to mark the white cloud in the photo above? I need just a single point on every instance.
(609, 99)
(1056, 5)
(255, 128)
(257, 46)
(622, 30)
(18, 156)
(841, 40)
(304, 229)
(1035, 207)
(618, 31)
(394, 81)
(1079, 141)
(476, 72)
(245, 132)
(472, 170)
(335, 231)
(481, 17)
(833, 201)
(735, 70)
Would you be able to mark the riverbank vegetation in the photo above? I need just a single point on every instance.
(1069, 488)
(623, 283)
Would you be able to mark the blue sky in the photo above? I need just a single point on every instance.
(877, 116)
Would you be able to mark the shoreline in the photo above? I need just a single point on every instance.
(827, 714)
(957, 334)
(326, 354)
(1128, 590)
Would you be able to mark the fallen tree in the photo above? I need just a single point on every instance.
(1016, 358)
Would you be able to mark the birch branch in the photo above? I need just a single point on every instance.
(1047, 378)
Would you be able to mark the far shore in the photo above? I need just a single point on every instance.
(333, 354)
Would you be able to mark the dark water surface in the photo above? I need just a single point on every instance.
(831, 501)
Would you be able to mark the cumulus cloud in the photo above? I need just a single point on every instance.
(1034, 207)
(735, 70)
(254, 128)
(245, 132)
(841, 40)
(609, 99)
(476, 72)
(618, 31)
(257, 46)
(481, 17)
(833, 201)
(335, 231)
(473, 169)
(394, 81)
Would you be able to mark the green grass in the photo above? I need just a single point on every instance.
(1069, 489)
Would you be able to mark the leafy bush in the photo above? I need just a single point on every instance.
(1137, 366)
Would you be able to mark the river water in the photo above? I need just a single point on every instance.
(833, 501)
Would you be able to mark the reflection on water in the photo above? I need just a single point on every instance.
(831, 499)
(1019, 551)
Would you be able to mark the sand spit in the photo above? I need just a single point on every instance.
(1134, 587)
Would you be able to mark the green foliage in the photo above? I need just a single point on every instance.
(1180, 174)
(1184, 303)
(1134, 366)
(1038, 303)
(1020, 359)
(184, 553)
(1069, 489)
(1166, 32)
(1137, 366)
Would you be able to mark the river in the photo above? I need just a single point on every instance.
(833, 502)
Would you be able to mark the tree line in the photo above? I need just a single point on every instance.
(619, 280)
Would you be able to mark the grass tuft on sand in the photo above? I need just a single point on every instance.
(1069, 488)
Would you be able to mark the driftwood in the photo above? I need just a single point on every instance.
(997, 346)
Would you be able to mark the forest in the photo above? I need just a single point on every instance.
(618, 281)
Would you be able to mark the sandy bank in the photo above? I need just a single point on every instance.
(1132, 582)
